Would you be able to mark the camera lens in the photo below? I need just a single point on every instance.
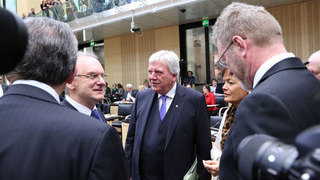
(263, 157)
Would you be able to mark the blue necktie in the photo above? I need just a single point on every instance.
(163, 107)
(95, 114)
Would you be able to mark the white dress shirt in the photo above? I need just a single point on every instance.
(170, 95)
(40, 85)
(268, 65)
(81, 108)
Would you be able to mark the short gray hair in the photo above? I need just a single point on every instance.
(51, 52)
(129, 85)
(253, 22)
(169, 58)
(88, 54)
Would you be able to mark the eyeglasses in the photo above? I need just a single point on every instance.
(92, 76)
(221, 61)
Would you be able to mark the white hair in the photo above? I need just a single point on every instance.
(169, 58)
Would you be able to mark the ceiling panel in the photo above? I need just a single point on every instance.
(110, 24)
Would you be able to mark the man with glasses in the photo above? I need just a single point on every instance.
(284, 98)
(87, 88)
(40, 139)
(314, 64)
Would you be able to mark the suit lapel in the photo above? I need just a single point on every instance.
(176, 110)
(146, 106)
(289, 63)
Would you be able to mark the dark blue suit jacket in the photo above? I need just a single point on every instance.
(41, 139)
(65, 103)
(188, 133)
(285, 102)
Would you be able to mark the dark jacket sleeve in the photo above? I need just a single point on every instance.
(203, 141)
(109, 161)
(131, 135)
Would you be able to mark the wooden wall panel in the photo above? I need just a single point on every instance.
(167, 39)
(132, 51)
(112, 57)
(300, 24)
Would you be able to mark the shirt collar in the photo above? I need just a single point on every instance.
(40, 85)
(268, 64)
(171, 93)
(81, 108)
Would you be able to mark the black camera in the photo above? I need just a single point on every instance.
(264, 157)
(14, 40)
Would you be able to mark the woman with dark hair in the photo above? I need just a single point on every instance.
(210, 99)
(233, 94)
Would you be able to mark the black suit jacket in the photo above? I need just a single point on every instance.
(65, 103)
(285, 102)
(41, 139)
(188, 133)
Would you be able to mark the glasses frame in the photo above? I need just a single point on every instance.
(222, 62)
(92, 76)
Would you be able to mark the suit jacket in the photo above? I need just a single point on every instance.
(65, 103)
(188, 133)
(285, 102)
(40, 139)
(133, 94)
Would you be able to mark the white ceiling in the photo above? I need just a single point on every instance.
(108, 24)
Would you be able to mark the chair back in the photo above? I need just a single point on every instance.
(124, 109)
(215, 121)
(105, 108)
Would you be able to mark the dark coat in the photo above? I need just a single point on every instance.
(188, 133)
(285, 101)
(41, 139)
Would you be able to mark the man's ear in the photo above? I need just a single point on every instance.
(71, 77)
(241, 44)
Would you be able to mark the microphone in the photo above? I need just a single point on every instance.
(14, 40)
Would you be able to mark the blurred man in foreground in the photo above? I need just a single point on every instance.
(285, 96)
(40, 139)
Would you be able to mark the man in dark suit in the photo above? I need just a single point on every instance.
(41, 139)
(169, 125)
(285, 96)
(130, 95)
(87, 88)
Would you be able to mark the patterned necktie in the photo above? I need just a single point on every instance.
(163, 107)
(95, 114)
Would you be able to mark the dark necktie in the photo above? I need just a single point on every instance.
(95, 114)
(163, 107)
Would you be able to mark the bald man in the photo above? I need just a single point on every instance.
(314, 64)
(88, 86)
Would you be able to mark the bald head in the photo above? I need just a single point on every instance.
(314, 64)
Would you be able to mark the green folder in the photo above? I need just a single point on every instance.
(192, 173)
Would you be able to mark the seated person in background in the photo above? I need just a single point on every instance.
(107, 90)
(114, 89)
(129, 95)
(141, 87)
(87, 88)
(233, 94)
(314, 64)
(210, 99)
(120, 90)
(189, 79)
(213, 86)
(146, 84)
